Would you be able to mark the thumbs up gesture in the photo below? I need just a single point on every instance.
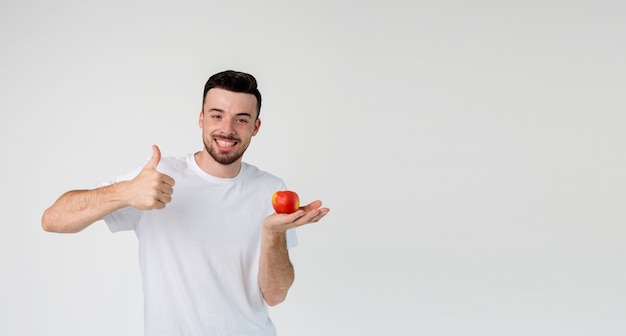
(151, 189)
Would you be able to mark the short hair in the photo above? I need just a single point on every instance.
(234, 81)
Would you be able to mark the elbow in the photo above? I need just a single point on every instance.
(47, 222)
(277, 295)
(274, 300)
(50, 222)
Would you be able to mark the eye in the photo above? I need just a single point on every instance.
(242, 121)
(215, 116)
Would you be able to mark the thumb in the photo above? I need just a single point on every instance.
(154, 160)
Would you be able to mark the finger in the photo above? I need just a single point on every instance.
(167, 189)
(294, 216)
(312, 206)
(312, 216)
(167, 180)
(315, 215)
(156, 158)
(318, 216)
(165, 198)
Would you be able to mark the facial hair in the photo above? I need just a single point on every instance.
(224, 159)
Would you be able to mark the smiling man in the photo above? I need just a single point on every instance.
(228, 120)
(213, 253)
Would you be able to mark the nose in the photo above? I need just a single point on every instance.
(228, 126)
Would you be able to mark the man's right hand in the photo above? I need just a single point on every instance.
(150, 189)
(77, 209)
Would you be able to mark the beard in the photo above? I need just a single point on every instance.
(224, 158)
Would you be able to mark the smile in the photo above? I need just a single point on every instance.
(225, 143)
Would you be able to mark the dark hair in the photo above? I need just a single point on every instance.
(234, 81)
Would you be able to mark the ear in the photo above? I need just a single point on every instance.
(201, 119)
(257, 125)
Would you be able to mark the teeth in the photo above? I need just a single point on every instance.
(225, 143)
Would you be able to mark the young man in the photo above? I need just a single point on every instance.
(213, 254)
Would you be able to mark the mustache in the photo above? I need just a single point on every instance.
(226, 137)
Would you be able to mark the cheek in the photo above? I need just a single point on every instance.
(251, 131)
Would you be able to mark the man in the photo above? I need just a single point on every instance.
(213, 254)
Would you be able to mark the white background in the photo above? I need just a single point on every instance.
(471, 152)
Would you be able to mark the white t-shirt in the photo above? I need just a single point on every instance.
(199, 256)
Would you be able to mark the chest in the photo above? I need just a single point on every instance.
(209, 215)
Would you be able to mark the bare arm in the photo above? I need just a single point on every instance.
(276, 273)
(77, 209)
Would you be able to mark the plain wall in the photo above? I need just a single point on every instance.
(471, 152)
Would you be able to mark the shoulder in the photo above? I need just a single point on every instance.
(173, 164)
(254, 173)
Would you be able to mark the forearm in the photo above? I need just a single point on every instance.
(77, 209)
(276, 273)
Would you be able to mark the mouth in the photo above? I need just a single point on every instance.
(226, 144)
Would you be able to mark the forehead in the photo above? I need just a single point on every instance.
(229, 101)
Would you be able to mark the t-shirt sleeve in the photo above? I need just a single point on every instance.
(292, 238)
(123, 219)
(126, 218)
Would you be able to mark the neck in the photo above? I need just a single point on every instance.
(214, 168)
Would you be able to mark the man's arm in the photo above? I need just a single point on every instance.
(276, 273)
(75, 210)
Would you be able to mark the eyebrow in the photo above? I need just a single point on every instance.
(238, 114)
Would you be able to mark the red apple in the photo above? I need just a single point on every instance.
(285, 201)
